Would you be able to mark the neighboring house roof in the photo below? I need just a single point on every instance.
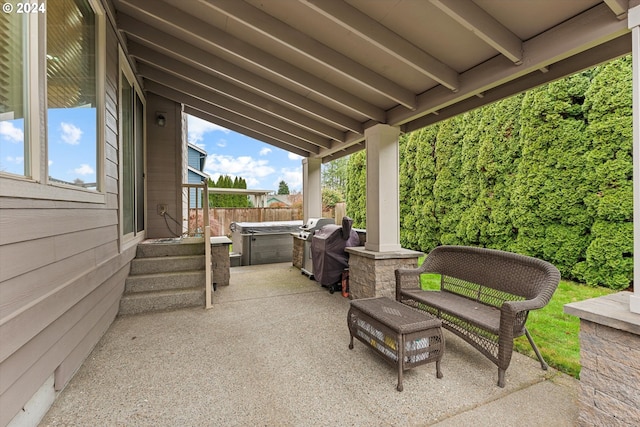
(248, 192)
(279, 198)
(195, 147)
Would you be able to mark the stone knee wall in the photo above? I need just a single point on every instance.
(610, 376)
(220, 265)
(369, 277)
(298, 252)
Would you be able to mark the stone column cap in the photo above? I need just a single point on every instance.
(401, 253)
(220, 240)
(610, 310)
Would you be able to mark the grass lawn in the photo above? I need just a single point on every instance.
(555, 332)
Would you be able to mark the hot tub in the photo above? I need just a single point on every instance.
(264, 242)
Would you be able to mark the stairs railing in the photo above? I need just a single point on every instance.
(199, 195)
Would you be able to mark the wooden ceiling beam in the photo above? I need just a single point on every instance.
(580, 34)
(185, 52)
(475, 19)
(192, 29)
(619, 7)
(224, 88)
(268, 26)
(297, 137)
(377, 34)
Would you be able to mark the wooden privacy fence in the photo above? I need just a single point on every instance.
(221, 218)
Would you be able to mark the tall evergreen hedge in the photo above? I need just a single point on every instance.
(357, 189)
(608, 177)
(547, 173)
(548, 209)
(228, 200)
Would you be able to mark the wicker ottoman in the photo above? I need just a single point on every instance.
(402, 335)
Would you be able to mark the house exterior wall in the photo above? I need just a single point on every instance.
(195, 162)
(195, 159)
(62, 270)
(194, 178)
(166, 165)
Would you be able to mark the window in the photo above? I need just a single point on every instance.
(14, 151)
(52, 101)
(132, 151)
(72, 116)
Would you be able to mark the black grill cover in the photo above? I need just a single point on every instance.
(327, 251)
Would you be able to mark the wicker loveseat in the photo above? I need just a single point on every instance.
(485, 296)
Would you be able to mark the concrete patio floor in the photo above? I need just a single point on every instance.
(273, 351)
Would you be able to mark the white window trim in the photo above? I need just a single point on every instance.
(34, 92)
(37, 185)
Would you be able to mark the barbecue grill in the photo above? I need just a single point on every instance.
(306, 233)
(328, 252)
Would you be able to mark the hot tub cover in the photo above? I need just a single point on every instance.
(266, 227)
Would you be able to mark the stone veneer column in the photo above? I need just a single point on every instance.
(297, 257)
(372, 273)
(220, 261)
(610, 359)
(372, 267)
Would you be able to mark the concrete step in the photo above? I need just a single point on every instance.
(164, 281)
(160, 248)
(166, 264)
(146, 302)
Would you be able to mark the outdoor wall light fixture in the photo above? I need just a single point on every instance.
(160, 119)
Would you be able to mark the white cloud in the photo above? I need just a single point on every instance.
(84, 169)
(265, 151)
(11, 133)
(16, 160)
(293, 178)
(222, 143)
(70, 133)
(246, 167)
(293, 156)
(197, 127)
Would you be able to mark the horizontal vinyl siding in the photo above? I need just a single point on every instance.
(61, 274)
(46, 251)
(52, 347)
(29, 224)
(194, 159)
(71, 256)
(164, 164)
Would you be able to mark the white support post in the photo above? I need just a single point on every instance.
(311, 188)
(634, 25)
(208, 282)
(383, 199)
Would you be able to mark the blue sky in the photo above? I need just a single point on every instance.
(72, 151)
(229, 153)
(12, 146)
(71, 144)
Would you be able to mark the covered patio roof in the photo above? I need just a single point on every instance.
(309, 76)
